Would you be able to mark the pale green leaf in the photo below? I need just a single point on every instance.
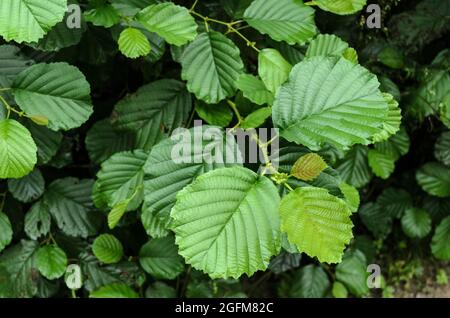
(329, 100)
(117, 290)
(172, 22)
(51, 261)
(17, 150)
(283, 20)
(211, 65)
(6, 232)
(133, 43)
(382, 164)
(351, 196)
(159, 258)
(273, 69)
(326, 45)
(254, 89)
(342, 7)
(57, 91)
(339, 290)
(317, 222)
(108, 249)
(217, 217)
(256, 118)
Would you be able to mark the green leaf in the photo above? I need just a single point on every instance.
(17, 150)
(257, 118)
(102, 141)
(176, 162)
(283, 20)
(160, 290)
(154, 109)
(339, 290)
(131, 7)
(102, 14)
(351, 196)
(159, 258)
(392, 57)
(70, 204)
(376, 219)
(18, 273)
(416, 223)
(326, 45)
(395, 201)
(28, 188)
(309, 282)
(318, 106)
(133, 43)
(6, 233)
(47, 141)
(354, 169)
(217, 115)
(273, 69)
(37, 221)
(442, 148)
(254, 89)
(153, 225)
(396, 146)
(120, 177)
(382, 164)
(308, 167)
(117, 290)
(108, 249)
(392, 125)
(352, 272)
(317, 223)
(216, 216)
(211, 65)
(170, 21)
(284, 262)
(437, 207)
(342, 7)
(117, 212)
(440, 244)
(51, 261)
(434, 178)
(29, 20)
(57, 91)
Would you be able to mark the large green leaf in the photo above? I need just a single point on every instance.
(442, 148)
(51, 261)
(6, 232)
(392, 125)
(354, 169)
(170, 21)
(416, 223)
(101, 13)
(211, 66)
(28, 188)
(329, 100)
(353, 272)
(18, 273)
(176, 162)
(341, 7)
(117, 290)
(226, 222)
(159, 258)
(29, 20)
(108, 249)
(283, 20)
(382, 164)
(273, 69)
(17, 150)
(377, 219)
(440, 245)
(154, 109)
(395, 201)
(434, 178)
(217, 115)
(133, 43)
(326, 45)
(317, 222)
(70, 204)
(58, 91)
(47, 141)
(254, 89)
(120, 178)
(37, 221)
(310, 281)
(396, 146)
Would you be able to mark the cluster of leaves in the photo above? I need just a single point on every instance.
(93, 202)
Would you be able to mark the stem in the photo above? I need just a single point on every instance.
(236, 111)
(2, 202)
(74, 293)
(193, 6)
(4, 89)
(10, 109)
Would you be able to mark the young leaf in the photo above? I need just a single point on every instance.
(317, 106)
(211, 66)
(108, 249)
(317, 223)
(17, 150)
(416, 223)
(172, 22)
(308, 167)
(51, 261)
(57, 91)
(159, 258)
(382, 164)
(29, 20)
(133, 43)
(216, 217)
(273, 69)
(283, 20)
